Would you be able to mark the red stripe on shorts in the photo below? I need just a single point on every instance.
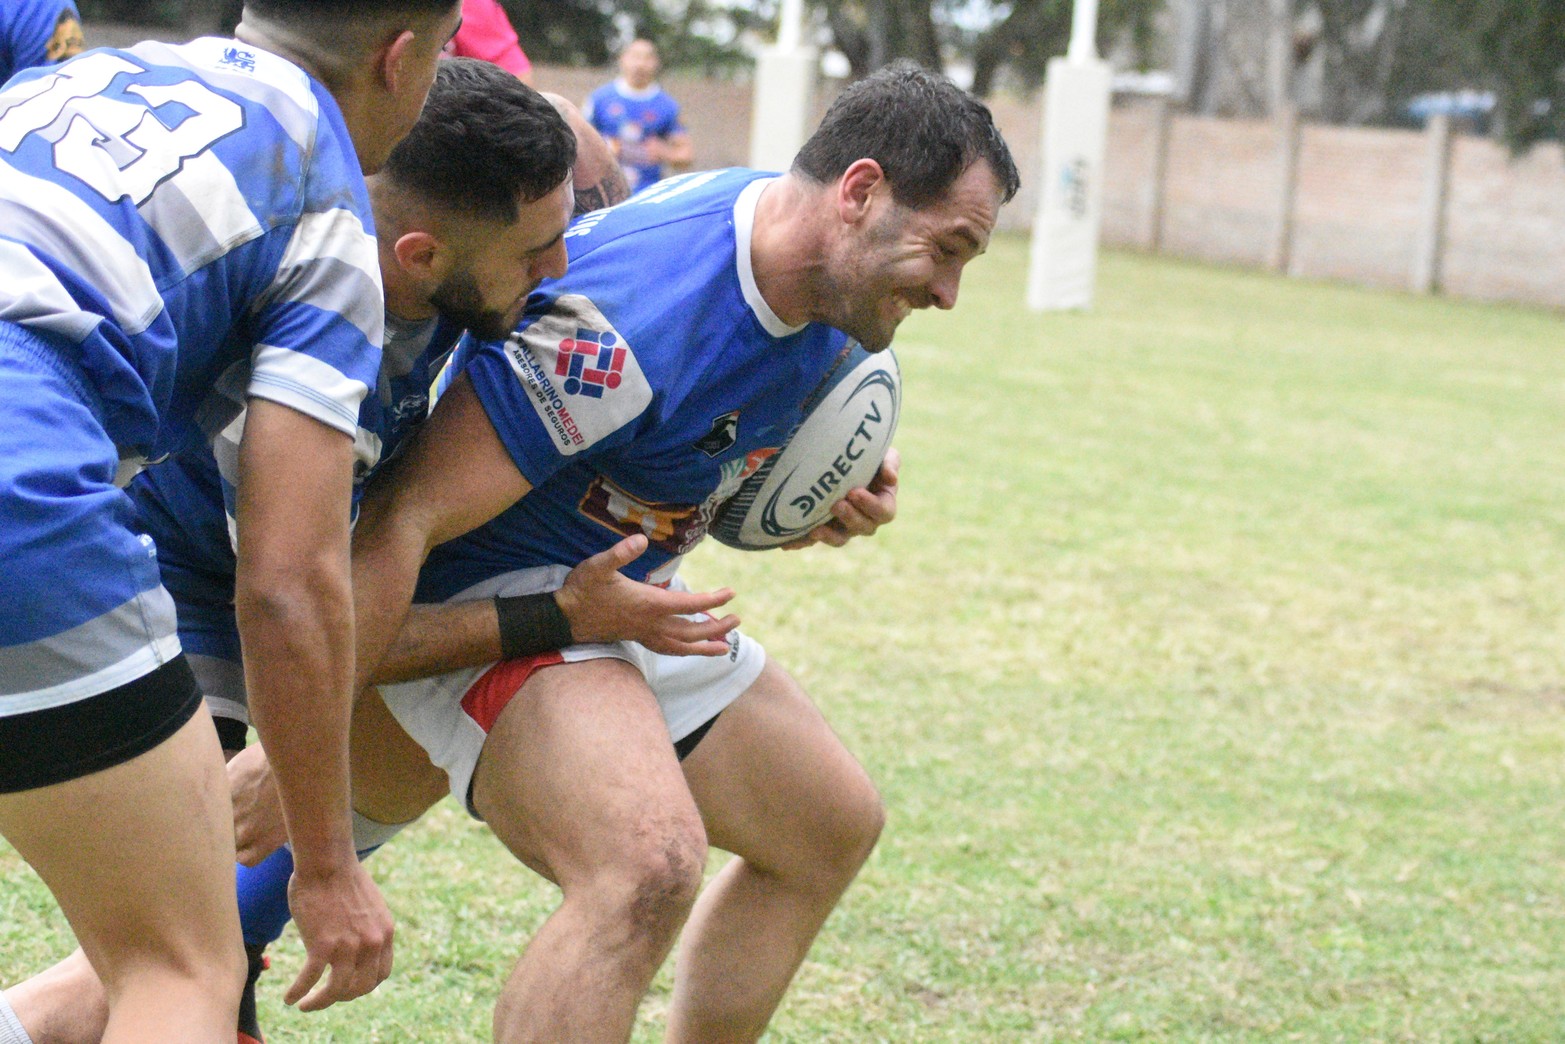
(488, 696)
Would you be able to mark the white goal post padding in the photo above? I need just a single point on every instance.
(1064, 263)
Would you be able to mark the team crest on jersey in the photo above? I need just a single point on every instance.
(579, 373)
(238, 58)
(724, 433)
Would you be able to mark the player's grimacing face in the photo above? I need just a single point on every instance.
(487, 290)
(905, 259)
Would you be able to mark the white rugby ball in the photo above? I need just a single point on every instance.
(838, 445)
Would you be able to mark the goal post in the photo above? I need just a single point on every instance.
(1062, 271)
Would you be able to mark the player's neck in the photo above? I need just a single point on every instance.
(641, 92)
(345, 76)
(309, 54)
(786, 250)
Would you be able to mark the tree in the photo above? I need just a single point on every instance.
(872, 33)
(1020, 35)
(1516, 49)
(1378, 54)
(698, 34)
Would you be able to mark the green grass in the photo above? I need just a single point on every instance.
(1214, 674)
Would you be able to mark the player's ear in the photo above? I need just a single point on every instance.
(421, 255)
(857, 188)
(394, 63)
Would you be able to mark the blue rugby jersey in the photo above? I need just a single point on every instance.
(628, 116)
(167, 211)
(640, 389)
(37, 32)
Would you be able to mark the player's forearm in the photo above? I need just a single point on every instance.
(297, 628)
(599, 181)
(294, 608)
(388, 550)
(435, 639)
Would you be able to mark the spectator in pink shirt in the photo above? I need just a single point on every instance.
(486, 34)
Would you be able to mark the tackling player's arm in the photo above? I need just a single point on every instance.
(600, 603)
(424, 501)
(294, 607)
(454, 476)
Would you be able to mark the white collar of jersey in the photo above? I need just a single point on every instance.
(744, 225)
(651, 90)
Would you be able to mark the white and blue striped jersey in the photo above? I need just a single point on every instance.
(166, 211)
(187, 502)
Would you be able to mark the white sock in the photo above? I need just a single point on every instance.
(367, 834)
(11, 1031)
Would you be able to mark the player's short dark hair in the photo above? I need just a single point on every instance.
(921, 128)
(485, 142)
(338, 10)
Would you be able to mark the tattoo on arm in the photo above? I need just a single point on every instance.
(609, 190)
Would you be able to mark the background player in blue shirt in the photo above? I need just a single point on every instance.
(731, 293)
(38, 32)
(639, 119)
(168, 211)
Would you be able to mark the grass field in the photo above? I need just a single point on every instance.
(1214, 674)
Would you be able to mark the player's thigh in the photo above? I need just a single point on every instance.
(775, 785)
(139, 856)
(393, 778)
(578, 775)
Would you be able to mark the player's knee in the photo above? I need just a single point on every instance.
(853, 826)
(659, 876)
(214, 975)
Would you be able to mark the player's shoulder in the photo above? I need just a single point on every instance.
(667, 209)
(248, 74)
(293, 153)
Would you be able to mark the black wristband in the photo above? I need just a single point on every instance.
(531, 624)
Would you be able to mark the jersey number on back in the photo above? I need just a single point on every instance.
(122, 149)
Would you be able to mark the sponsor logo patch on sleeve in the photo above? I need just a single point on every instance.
(579, 373)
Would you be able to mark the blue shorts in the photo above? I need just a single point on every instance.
(84, 612)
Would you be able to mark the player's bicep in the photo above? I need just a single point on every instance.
(455, 474)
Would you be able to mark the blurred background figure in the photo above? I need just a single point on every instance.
(37, 32)
(487, 34)
(639, 119)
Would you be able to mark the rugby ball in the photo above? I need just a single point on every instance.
(838, 444)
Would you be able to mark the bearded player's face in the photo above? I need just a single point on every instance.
(486, 291)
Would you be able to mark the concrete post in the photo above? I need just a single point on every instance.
(1156, 191)
(1281, 254)
(1429, 247)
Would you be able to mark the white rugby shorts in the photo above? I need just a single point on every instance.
(450, 715)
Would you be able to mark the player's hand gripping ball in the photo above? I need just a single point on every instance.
(846, 429)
